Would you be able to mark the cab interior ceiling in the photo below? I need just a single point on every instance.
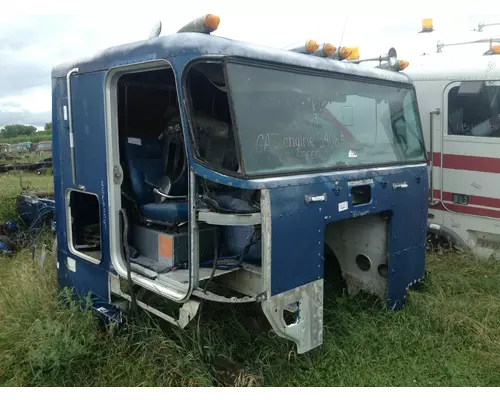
(153, 158)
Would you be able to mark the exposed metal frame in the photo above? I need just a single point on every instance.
(307, 331)
(187, 311)
(215, 218)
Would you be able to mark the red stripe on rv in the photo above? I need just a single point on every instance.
(467, 163)
(473, 200)
(483, 212)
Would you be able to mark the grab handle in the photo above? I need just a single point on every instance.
(313, 199)
(70, 121)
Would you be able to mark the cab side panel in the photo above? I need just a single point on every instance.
(298, 227)
(90, 162)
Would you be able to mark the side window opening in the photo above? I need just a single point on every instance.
(214, 137)
(85, 225)
(213, 131)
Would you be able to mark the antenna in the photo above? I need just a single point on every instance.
(343, 31)
(155, 32)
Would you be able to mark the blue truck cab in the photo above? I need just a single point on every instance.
(192, 168)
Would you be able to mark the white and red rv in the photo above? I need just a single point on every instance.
(458, 97)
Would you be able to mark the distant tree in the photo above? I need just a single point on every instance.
(9, 131)
(48, 128)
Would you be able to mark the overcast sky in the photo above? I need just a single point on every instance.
(30, 45)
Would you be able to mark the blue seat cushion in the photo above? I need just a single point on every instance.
(145, 163)
(167, 212)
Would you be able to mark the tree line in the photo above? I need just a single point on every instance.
(10, 131)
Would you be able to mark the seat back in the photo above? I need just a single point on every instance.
(145, 162)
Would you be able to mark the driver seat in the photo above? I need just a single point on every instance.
(146, 165)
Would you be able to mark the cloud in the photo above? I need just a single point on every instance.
(30, 45)
(24, 117)
(31, 108)
(18, 76)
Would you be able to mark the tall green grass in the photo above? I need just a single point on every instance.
(448, 335)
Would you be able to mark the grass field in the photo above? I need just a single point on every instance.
(25, 158)
(448, 335)
(20, 139)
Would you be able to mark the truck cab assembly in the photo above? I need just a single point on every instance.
(192, 167)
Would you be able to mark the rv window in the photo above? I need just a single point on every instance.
(476, 114)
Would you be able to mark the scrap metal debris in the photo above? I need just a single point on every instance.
(8, 157)
(36, 215)
(35, 166)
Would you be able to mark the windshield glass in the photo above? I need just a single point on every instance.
(292, 122)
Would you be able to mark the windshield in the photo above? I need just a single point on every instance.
(293, 122)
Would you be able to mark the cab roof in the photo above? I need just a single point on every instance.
(201, 44)
(456, 67)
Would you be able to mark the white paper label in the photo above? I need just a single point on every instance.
(343, 206)
(133, 140)
(65, 113)
(71, 264)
